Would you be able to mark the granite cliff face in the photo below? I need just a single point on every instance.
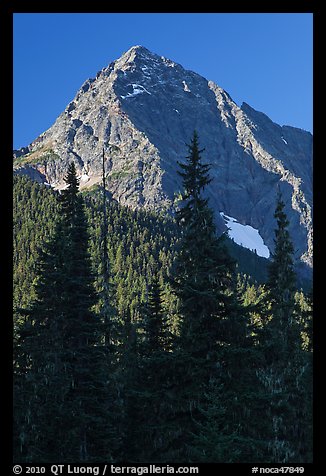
(142, 109)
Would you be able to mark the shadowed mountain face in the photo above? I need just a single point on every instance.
(142, 109)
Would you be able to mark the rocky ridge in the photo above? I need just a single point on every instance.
(142, 109)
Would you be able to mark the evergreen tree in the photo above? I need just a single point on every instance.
(157, 336)
(282, 286)
(287, 369)
(155, 359)
(235, 383)
(203, 269)
(64, 414)
(231, 427)
(35, 211)
(128, 375)
(213, 325)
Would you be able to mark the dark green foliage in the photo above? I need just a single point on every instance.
(35, 211)
(139, 245)
(281, 276)
(59, 365)
(138, 339)
(248, 262)
(283, 332)
(128, 375)
(157, 336)
(203, 270)
(201, 275)
(154, 376)
(214, 333)
(287, 367)
(233, 398)
(105, 292)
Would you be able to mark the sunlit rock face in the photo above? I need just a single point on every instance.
(142, 110)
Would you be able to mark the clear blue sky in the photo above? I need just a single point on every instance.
(264, 59)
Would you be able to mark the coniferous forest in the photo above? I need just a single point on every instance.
(140, 337)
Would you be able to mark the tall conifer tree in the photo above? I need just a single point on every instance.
(60, 360)
(157, 336)
(287, 367)
(155, 362)
(204, 269)
(213, 329)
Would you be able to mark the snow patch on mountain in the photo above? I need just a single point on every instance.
(245, 235)
(137, 89)
(142, 110)
(186, 87)
(84, 177)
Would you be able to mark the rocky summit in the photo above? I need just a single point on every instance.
(142, 110)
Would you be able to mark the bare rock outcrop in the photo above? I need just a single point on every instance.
(142, 109)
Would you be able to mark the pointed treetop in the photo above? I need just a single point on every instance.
(71, 177)
(282, 277)
(195, 174)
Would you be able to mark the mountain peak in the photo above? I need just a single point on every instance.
(142, 109)
(138, 48)
(136, 51)
(140, 54)
(135, 54)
